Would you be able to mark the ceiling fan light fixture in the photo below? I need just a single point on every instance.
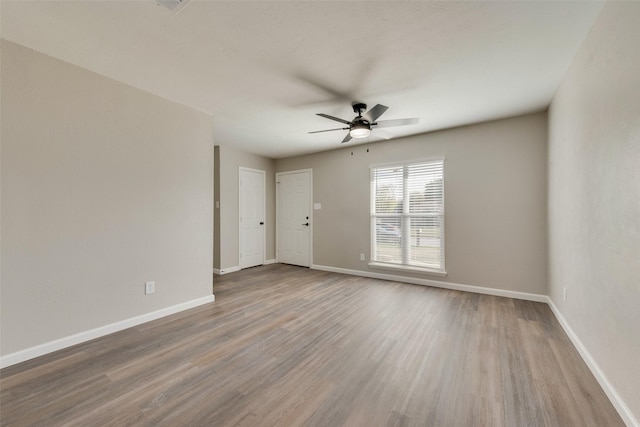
(360, 130)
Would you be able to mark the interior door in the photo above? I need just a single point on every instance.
(252, 217)
(294, 217)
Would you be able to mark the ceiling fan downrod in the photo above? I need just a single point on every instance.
(359, 107)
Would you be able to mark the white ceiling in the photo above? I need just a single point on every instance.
(263, 69)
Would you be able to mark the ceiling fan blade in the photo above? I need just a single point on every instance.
(337, 119)
(346, 138)
(336, 94)
(328, 130)
(396, 122)
(382, 134)
(373, 114)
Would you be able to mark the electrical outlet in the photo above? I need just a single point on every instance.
(149, 287)
(564, 294)
(361, 257)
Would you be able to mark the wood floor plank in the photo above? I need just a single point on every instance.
(290, 346)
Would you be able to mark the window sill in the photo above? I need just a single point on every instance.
(407, 268)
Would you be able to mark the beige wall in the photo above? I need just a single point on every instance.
(495, 201)
(226, 176)
(104, 187)
(594, 197)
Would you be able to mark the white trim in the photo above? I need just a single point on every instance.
(311, 219)
(59, 344)
(405, 216)
(264, 213)
(437, 284)
(237, 268)
(408, 162)
(222, 271)
(622, 408)
(618, 403)
(411, 268)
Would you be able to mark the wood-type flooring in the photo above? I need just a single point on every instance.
(289, 346)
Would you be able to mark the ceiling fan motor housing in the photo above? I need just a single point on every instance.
(360, 122)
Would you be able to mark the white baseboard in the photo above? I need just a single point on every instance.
(59, 344)
(237, 268)
(437, 284)
(42, 349)
(226, 270)
(622, 408)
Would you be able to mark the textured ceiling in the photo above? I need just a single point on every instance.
(263, 69)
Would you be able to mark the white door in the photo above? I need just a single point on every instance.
(294, 217)
(251, 208)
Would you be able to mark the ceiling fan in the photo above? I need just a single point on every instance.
(361, 125)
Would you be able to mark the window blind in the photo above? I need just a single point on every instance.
(407, 215)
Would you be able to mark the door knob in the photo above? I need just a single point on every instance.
(307, 224)
(261, 223)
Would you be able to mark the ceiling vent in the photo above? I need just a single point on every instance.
(173, 5)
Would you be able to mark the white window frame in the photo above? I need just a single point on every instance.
(405, 218)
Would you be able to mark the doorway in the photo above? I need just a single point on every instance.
(294, 221)
(252, 217)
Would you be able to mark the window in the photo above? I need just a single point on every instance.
(407, 216)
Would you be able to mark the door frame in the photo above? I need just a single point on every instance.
(311, 219)
(264, 211)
